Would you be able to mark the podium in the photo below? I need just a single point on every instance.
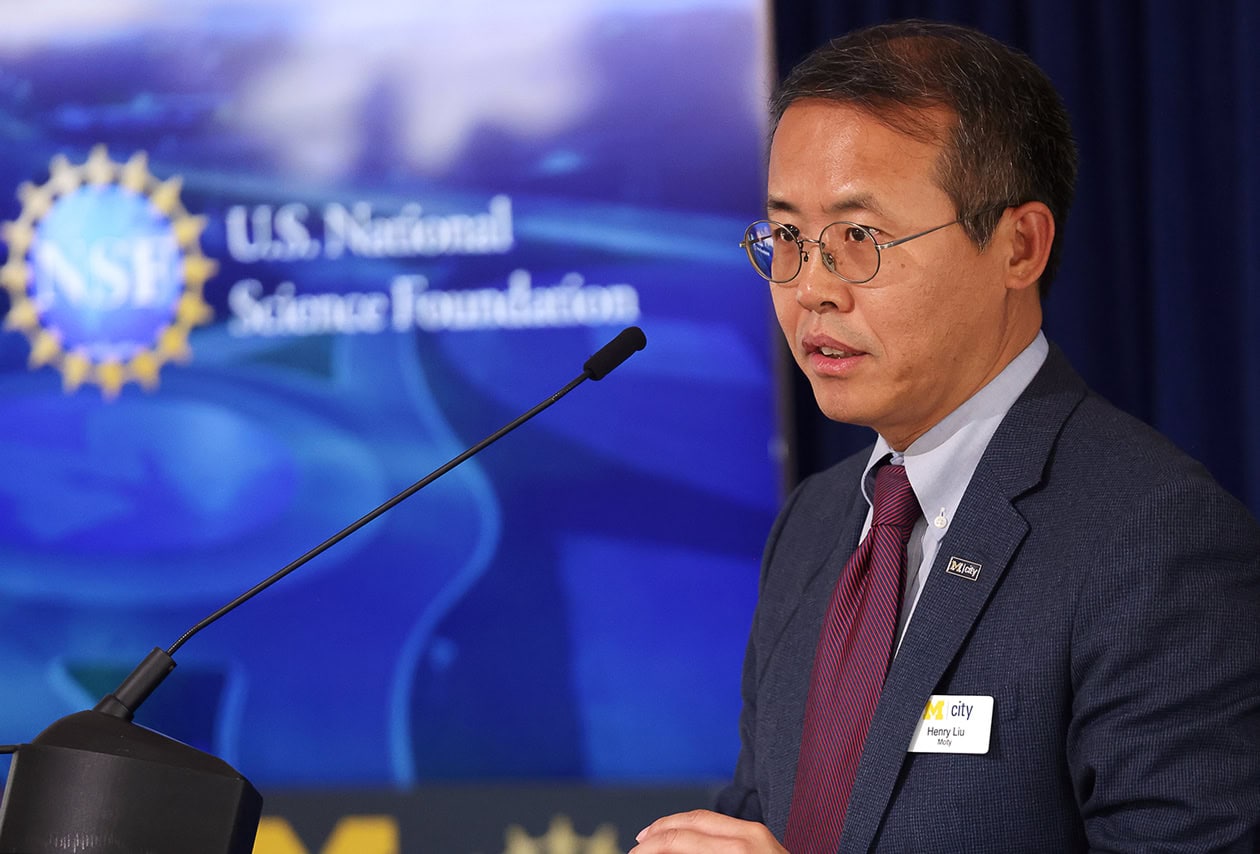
(96, 783)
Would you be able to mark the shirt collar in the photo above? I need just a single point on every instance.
(940, 463)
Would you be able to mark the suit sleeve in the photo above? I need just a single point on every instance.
(742, 798)
(1164, 740)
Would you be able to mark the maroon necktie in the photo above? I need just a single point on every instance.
(854, 651)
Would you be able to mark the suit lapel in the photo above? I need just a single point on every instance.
(987, 530)
(792, 658)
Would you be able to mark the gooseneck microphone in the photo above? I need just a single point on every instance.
(628, 341)
(96, 783)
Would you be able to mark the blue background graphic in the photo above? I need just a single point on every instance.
(574, 602)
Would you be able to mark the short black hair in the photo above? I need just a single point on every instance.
(1011, 140)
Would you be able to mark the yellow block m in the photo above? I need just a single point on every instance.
(359, 834)
(934, 711)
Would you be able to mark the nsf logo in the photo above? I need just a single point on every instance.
(105, 272)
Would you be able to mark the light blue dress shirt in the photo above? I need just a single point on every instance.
(940, 464)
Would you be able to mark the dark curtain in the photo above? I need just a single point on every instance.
(1158, 300)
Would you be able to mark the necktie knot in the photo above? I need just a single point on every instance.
(895, 504)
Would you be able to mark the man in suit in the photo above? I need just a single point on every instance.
(1070, 657)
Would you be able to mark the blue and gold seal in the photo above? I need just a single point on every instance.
(105, 272)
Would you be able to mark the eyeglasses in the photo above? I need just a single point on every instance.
(848, 250)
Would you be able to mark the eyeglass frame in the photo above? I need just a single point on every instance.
(803, 256)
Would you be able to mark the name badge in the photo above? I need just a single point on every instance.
(954, 724)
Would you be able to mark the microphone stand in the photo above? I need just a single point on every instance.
(95, 783)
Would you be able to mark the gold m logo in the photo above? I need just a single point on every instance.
(356, 834)
(934, 711)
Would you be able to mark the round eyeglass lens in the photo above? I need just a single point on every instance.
(773, 250)
(849, 251)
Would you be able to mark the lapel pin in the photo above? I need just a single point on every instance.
(963, 568)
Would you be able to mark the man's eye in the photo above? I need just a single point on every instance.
(859, 233)
(787, 234)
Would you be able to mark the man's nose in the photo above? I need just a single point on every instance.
(817, 288)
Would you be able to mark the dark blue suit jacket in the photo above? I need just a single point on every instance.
(1115, 621)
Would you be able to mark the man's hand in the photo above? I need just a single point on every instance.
(701, 831)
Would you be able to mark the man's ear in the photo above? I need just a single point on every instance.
(1026, 231)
